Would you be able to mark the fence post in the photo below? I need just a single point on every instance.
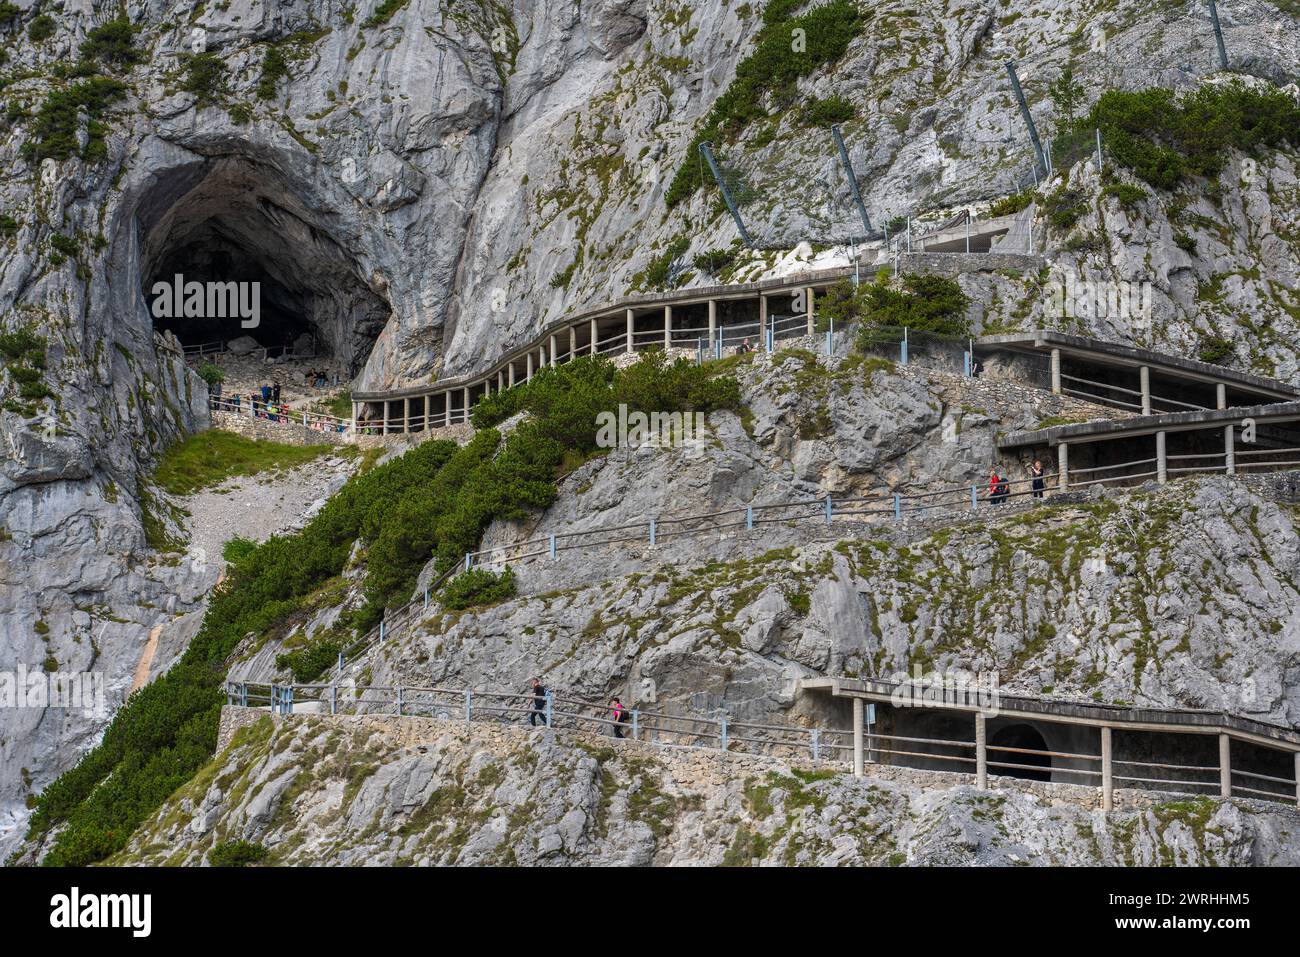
(334, 699)
(652, 532)
(275, 699)
(816, 744)
(243, 693)
(902, 348)
(722, 733)
(399, 700)
(468, 561)
(1225, 766)
(340, 661)
(898, 507)
(426, 599)
(469, 707)
(1099, 149)
(965, 357)
(1107, 772)
(289, 700)
(549, 707)
(857, 737)
(829, 510)
(749, 518)
(552, 546)
(636, 725)
(382, 629)
(974, 499)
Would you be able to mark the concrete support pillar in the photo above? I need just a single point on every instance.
(981, 754)
(668, 328)
(528, 366)
(1297, 778)
(1056, 372)
(1225, 766)
(465, 413)
(385, 407)
(808, 304)
(713, 323)
(762, 321)
(1144, 377)
(355, 406)
(1229, 451)
(510, 375)
(428, 407)
(595, 334)
(1220, 396)
(573, 343)
(551, 349)
(501, 384)
(1063, 466)
(1162, 460)
(1107, 772)
(857, 737)
(631, 322)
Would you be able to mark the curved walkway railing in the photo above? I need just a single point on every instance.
(717, 732)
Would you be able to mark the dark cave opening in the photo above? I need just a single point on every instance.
(231, 250)
(1020, 736)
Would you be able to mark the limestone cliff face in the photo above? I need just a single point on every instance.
(428, 183)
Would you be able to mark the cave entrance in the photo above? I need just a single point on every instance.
(1020, 736)
(213, 229)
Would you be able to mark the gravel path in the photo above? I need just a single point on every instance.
(258, 506)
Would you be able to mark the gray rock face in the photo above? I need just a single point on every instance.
(341, 791)
(411, 188)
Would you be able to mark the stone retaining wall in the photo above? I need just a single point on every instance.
(286, 433)
(707, 767)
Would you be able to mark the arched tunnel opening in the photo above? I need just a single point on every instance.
(1020, 736)
(212, 229)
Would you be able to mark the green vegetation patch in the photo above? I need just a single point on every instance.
(769, 74)
(209, 458)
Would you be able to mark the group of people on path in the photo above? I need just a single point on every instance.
(1000, 487)
(538, 713)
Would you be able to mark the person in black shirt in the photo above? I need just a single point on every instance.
(538, 713)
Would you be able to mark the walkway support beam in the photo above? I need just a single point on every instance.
(1220, 396)
(1144, 379)
(1056, 372)
(1162, 459)
(762, 320)
(1107, 771)
(1063, 466)
(857, 737)
(808, 299)
(981, 754)
(595, 334)
(631, 323)
(726, 194)
(1229, 451)
(853, 181)
(668, 328)
(1218, 35)
(1028, 117)
(713, 322)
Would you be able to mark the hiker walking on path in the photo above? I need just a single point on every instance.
(1036, 472)
(621, 715)
(538, 712)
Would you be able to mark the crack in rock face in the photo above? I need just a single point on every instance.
(235, 220)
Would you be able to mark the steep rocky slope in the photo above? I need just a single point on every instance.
(426, 184)
(349, 791)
